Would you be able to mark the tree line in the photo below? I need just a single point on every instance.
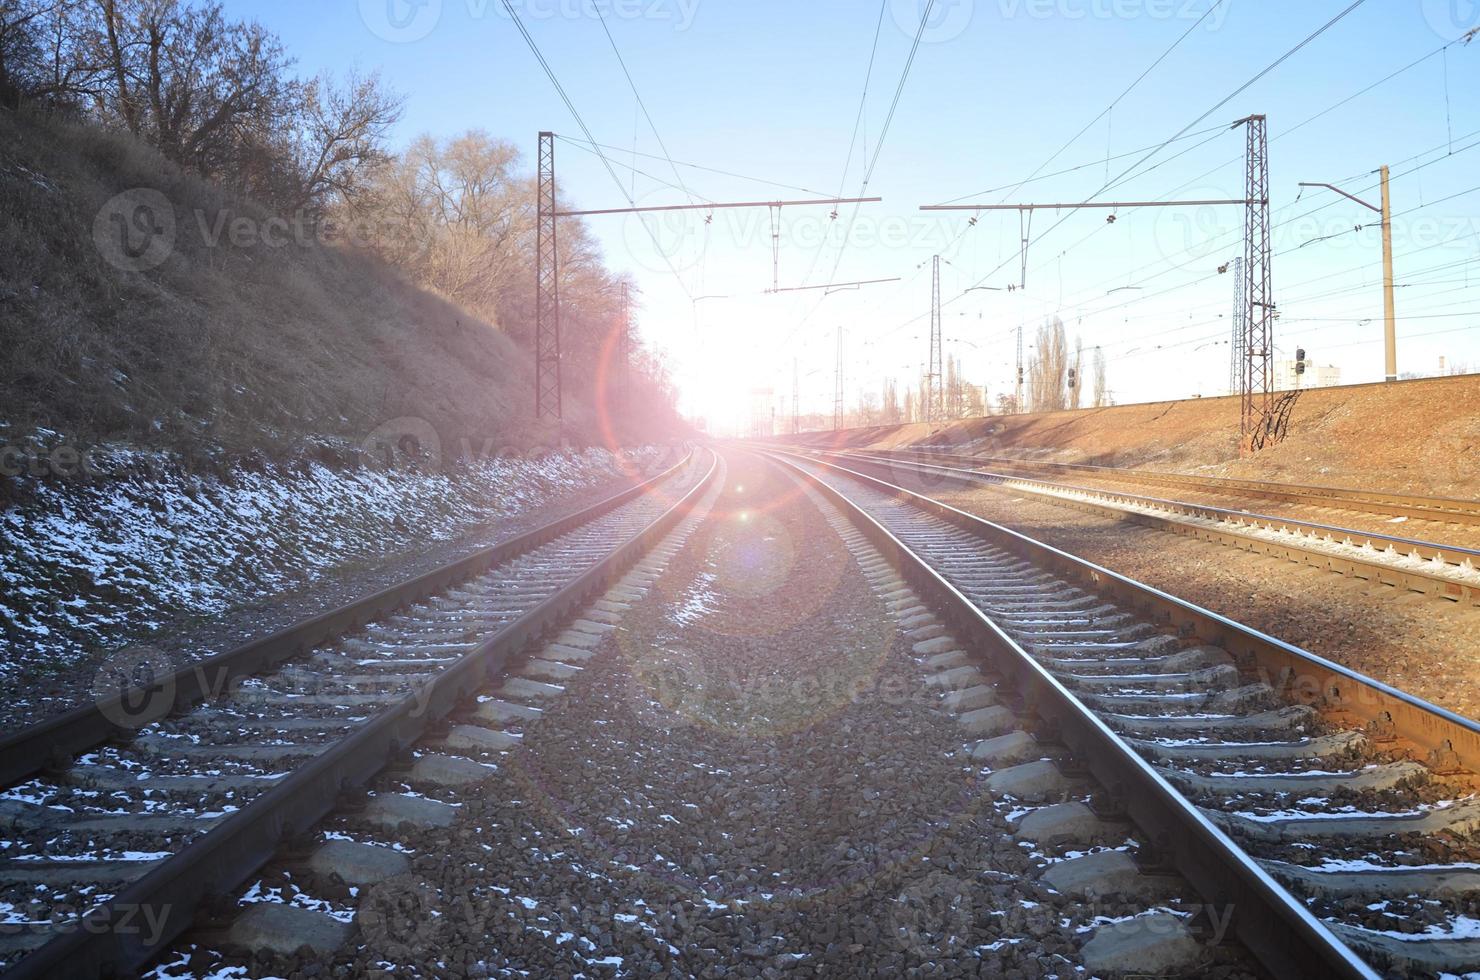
(1046, 380)
(221, 98)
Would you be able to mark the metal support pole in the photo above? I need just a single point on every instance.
(1018, 405)
(796, 398)
(838, 386)
(628, 385)
(1239, 340)
(1390, 359)
(1258, 376)
(1389, 307)
(935, 389)
(547, 394)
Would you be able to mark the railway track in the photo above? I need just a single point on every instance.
(1443, 571)
(128, 818)
(1336, 815)
(1441, 510)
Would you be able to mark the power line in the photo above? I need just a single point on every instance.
(582, 144)
(853, 140)
(1220, 129)
(874, 162)
(585, 148)
(560, 90)
(1288, 132)
(1116, 101)
(863, 97)
(638, 96)
(1287, 221)
(1185, 129)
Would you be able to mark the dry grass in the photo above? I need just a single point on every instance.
(223, 351)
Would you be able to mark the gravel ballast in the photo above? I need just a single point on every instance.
(39, 685)
(1416, 643)
(750, 777)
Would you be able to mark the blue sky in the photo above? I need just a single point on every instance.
(771, 90)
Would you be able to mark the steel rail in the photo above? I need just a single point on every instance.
(109, 940)
(1450, 510)
(1274, 925)
(1437, 582)
(52, 743)
(1302, 676)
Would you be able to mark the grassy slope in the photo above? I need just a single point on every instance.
(272, 349)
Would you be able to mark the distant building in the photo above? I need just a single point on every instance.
(762, 413)
(1315, 376)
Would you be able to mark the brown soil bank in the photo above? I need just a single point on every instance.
(1408, 437)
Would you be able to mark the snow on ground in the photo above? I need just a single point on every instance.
(86, 565)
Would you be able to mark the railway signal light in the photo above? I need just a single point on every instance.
(1300, 360)
(1073, 378)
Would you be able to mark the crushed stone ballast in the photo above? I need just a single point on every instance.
(1261, 771)
(126, 819)
(1439, 570)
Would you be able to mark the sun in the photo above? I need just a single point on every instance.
(727, 386)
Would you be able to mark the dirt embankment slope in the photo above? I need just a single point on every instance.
(144, 307)
(1409, 437)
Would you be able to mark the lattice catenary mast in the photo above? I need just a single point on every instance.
(796, 398)
(1240, 313)
(1260, 424)
(1257, 385)
(838, 386)
(547, 396)
(934, 388)
(547, 388)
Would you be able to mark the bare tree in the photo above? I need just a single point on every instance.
(976, 401)
(455, 215)
(342, 135)
(1049, 368)
(891, 413)
(214, 95)
(189, 81)
(41, 53)
(1101, 389)
(19, 49)
(955, 395)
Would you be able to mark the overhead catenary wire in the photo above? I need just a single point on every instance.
(1119, 98)
(575, 114)
(1100, 312)
(857, 126)
(1264, 72)
(1292, 130)
(589, 148)
(1084, 306)
(638, 96)
(868, 174)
